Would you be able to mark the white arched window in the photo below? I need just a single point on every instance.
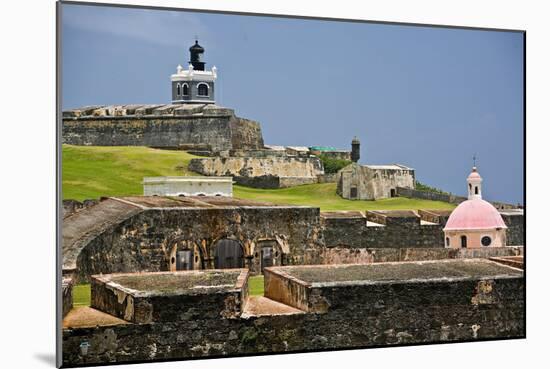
(185, 91)
(203, 89)
(178, 90)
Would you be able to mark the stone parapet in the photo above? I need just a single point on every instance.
(162, 126)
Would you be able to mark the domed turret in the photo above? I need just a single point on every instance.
(475, 222)
(196, 52)
(355, 149)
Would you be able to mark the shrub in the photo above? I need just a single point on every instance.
(333, 165)
(424, 187)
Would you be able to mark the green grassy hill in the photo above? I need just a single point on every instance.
(324, 195)
(90, 172)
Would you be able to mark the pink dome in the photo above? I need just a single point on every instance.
(474, 214)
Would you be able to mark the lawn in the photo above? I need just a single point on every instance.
(256, 285)
(82, 295)
(324, 196)
(90, 172)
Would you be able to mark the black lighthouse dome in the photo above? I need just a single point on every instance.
(196, 52)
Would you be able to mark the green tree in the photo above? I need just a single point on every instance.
(333, 165)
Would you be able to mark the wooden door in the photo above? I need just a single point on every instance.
(228, 254)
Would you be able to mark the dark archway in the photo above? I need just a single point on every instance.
(228, 254)
(463, 241)
(270, 253)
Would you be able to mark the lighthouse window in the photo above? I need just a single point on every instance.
(203, 89)
(477, 191)
(486, 240)
(178, 90)
(185, 89)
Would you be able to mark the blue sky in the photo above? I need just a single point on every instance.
(425, 97)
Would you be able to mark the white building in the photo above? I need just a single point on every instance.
(188, 186)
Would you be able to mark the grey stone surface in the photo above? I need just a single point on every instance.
(398, 229)
(371, 182)
(262, 172)
(148, 230)
(486, 304)
(453, 199)
(164, 126)
(67, 295)
(160, 297)
(142, 234)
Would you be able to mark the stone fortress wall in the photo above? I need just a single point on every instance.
(373, 182)
(398, 229)
(318, 307)
(143, 234)
(163, 126)
(450, 198)
(432, 294)
(262, 172)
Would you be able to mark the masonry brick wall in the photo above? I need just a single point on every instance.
(515, 234)
(162, 127)
(453, 199)
(398, 233)
(356, 316)
(145, 241)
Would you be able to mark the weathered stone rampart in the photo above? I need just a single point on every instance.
(262, 172)
(163, 126)
(346, 255)
(401, 229)
(445, 197)
(343, 307)
(144, 233)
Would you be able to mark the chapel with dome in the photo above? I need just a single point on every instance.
(475, 222)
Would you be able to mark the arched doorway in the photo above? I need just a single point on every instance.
(270, 253)
(463, 242)
(228, 254)
(184, 260)
(184, 255)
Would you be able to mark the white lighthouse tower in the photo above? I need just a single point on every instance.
(194, 85)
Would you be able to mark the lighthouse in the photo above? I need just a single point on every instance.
(194, 84)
